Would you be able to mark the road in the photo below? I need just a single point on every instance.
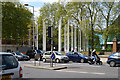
(74, 70)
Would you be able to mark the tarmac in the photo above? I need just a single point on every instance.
(48, 67)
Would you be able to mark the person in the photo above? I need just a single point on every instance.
(37, 56)
(73, 50)
(94, 54)
(89, 53)
(97, 58)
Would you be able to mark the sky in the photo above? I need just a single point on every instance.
(40, 3)
(37, 5)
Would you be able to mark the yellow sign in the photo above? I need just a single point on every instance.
(5, 77)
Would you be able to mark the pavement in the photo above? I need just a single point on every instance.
(46, 67)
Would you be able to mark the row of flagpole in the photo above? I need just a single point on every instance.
(66, 37)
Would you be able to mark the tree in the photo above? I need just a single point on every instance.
(15, 21)
(109, 11)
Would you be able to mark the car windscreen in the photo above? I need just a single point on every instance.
(58, 53)
(39, 51)
(8, 62)
(82, 54)
(19, 53)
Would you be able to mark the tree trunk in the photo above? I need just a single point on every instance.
(92, 41)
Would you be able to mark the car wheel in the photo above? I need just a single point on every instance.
(112, 63)
(57, 60)
(66, 61)
(44, 60)
(82, 60)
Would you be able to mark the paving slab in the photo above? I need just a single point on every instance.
(46, 67)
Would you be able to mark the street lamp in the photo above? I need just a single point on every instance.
(33, 22)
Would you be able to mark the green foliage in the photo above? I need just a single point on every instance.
(87, 16)
(15, 21)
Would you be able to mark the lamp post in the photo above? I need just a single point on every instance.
(33, 23)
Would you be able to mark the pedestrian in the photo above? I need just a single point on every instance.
(73, 50)
(37, 56)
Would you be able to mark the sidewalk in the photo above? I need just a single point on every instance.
(104, 60)
(46, 67)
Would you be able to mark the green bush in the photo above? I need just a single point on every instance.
(107, 50)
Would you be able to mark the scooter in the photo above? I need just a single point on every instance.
(92, 60)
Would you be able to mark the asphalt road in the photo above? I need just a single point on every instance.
(74, 70)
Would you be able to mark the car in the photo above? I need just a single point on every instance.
(10, 67)
(59, 57)
(114, 59)
(77, 56)
(31, 53)
(20, 56)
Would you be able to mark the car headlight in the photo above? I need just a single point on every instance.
(86, 57)
(20, 57)
(61, 57)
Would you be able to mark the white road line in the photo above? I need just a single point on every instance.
(81, 72)
(62, 64)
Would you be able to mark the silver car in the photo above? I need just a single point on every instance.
(9, 66)
(59, 57)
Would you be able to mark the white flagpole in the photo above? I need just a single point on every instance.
(59, 35)
(44, 36)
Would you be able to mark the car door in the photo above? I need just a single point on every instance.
(11, 66)
(118, 58)
(48, 56)
(70, 55)
(75, 56)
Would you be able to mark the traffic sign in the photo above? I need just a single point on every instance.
(53, 56)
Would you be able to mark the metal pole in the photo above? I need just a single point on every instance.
(1, 27)
(33, 33)
(36, 34)
(52, 44)
(33, 27)
(29, 37)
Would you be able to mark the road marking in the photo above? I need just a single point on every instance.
(81, 72)
(62, 64)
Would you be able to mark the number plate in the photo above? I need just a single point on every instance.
(8, 77)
